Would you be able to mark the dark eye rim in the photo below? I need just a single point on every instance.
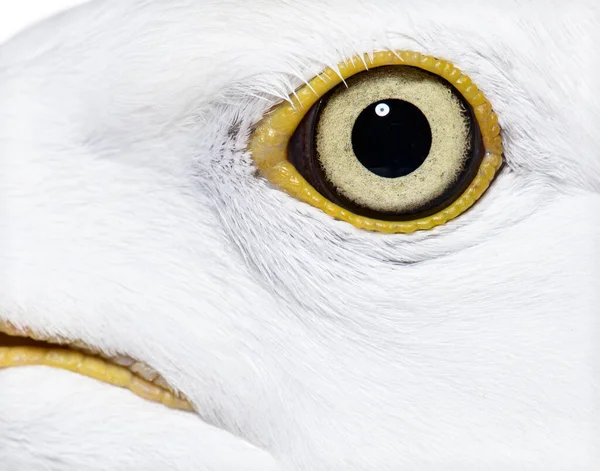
(302, 154)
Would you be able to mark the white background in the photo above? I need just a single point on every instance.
(16, 15)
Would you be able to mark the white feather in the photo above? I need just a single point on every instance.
(132, 218)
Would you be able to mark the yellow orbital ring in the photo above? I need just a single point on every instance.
(268, 143)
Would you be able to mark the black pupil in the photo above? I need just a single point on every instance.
(391, 138)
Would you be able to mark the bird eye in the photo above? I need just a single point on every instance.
(393, 142)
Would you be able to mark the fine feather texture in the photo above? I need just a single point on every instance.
(46, 425)
(132, 218)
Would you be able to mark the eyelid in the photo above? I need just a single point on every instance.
(269, 141)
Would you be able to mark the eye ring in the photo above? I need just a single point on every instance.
(269, 142)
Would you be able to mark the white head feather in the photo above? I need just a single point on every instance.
(132, 218)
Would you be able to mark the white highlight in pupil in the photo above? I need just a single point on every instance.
(382, 109)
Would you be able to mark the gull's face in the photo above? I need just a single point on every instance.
(133, 218)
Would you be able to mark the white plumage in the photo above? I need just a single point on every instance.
(131, 217)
